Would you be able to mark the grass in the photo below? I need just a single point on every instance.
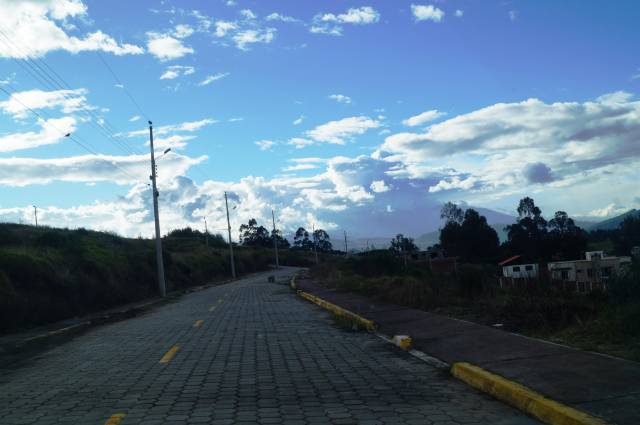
(604, 322)
(49, 274)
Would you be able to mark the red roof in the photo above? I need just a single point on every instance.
(508, 260)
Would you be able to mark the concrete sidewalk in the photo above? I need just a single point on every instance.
(605, 386)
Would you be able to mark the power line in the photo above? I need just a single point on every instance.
(69, 135)
(56, 82)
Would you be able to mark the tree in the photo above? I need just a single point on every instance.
(473, 240)
(253, 235)
(527, 236)
(322, 241)
(402, 246)
(301, 240)
(627, 235)
(282, 242)
(451, 213)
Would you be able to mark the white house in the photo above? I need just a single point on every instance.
(513, 268)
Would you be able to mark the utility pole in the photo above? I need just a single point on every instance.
(35, 214)
(233, 264)
(275, 238)
(161, 283)
(345, 244)
(206, 232)
(315, 248)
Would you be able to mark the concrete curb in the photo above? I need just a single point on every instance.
(365, 323)
(546, 410)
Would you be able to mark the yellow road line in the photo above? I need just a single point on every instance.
(213, 307)
(169, 354)
(115, 419)
(197, 323)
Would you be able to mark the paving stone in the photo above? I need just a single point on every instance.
(262, 356)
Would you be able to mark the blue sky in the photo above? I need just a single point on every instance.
(363, 116)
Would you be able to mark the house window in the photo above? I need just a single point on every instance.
(528, 268)
(564, 275)
(516, 268)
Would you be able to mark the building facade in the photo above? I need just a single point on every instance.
(591, 273)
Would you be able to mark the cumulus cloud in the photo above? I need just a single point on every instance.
(423, 118)
(265, 145)
(299, 142)
(340, 98)
(610, 210)
(329, 23)
(338, 132)
(282, 18)
(453, 183)
(165, 47)
(175, 71)
(51, 131)
(569, 138)
(37, 27)
(213, 77)
(379, 186)
(188, 126)
(298, 120)
(243, 39)
(90, 168)
(224, 27)
(68, 101)
(427, 13)
(183, 31)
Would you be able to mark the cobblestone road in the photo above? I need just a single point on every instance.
(243, 353)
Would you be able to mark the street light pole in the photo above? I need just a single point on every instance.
(233, 264)
(35, 214)
(206, 232)
(275, 239)
(161, 282)
(315, 249)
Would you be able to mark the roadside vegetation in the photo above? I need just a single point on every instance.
(49, 274)
(605, 321)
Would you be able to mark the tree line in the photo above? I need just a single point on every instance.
(252, 234)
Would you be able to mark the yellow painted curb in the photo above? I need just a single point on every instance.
(365, 323)
(521, 397)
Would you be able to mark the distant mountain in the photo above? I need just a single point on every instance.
(431, 238)
(614, 222)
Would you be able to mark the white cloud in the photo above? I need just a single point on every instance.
(299, 142)
(244, 38)
(214, 77)
(427, 13)
(337, 132)
(90, 168)
(513, 15)
(176, 141)
(608, 211)
(329, 23)
(423, 118)
(224, 27)
(379, 186)
(517, 145)
(37, 27)
(340, 98)
(248, 14)
(183, 31)
(188, 126)
(175, 71)
(265, 145)
(458, 13)
(300, 167)
(135, 118)
(298, 120)
(52, 131)
(165, 47)
(453, 183)
(282, 18)
(67, 100)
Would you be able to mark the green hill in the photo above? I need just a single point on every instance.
(614, 222)
(49, 274)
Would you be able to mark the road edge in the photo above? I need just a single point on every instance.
(507, 391)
